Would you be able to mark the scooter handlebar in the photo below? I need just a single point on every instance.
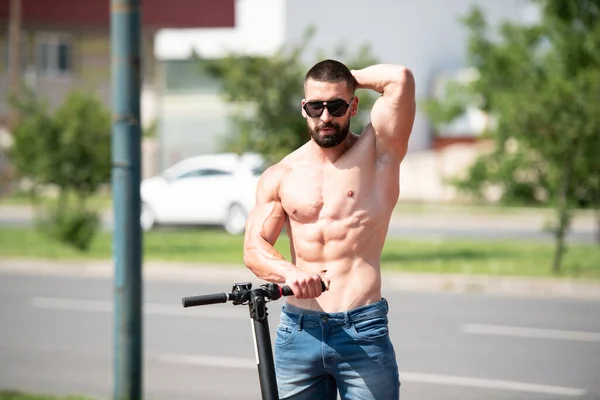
(216, 298)
(205, 299)
(287, 291)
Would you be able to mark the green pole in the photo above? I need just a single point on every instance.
(125, 30)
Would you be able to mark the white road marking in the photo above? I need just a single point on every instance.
(500, 330)
(491, 384)
(209, 361)
(434, 379)
(56, 303)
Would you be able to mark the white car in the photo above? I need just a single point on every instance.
(215, 189)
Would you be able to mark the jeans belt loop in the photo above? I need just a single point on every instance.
(300, 318)
(347, 320)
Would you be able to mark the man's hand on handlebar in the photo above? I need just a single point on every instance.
(307, 285)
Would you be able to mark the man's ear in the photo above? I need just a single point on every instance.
(354, 107)
(302, 108)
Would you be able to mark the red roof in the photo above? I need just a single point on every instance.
(155, 13)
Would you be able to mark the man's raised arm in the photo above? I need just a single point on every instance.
(393, 113)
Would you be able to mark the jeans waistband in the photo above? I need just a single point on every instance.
(373, 310)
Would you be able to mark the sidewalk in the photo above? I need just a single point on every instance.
(229, 274)
(447, 217)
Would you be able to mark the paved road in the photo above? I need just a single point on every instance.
(56, 336)
(423, 226)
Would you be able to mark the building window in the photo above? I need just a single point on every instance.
(54, 55)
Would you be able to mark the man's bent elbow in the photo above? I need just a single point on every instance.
(401, 84)
(405, 77)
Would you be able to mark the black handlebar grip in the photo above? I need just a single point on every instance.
(205, 299)
(287, 291)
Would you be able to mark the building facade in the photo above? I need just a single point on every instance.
(65, 44)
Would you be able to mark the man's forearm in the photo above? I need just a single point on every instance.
(267, 264)
(380, 77)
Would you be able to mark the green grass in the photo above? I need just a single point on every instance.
(100, 200)
(514, 258)
(202, 245)
(443, 256)
(15, 395)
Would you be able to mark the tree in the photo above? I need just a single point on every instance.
(267, 92)
(70, 151)
(540, 82)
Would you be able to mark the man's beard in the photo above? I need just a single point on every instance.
(330, 139)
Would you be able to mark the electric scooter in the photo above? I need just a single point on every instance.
(256, 300)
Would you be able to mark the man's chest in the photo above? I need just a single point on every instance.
(309, 194)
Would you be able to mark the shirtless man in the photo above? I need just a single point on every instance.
(335, 196)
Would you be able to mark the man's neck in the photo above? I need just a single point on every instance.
(331, 154)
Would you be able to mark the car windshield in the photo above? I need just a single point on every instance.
(169, 175)
(257, 171)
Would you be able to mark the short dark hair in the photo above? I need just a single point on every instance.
(331, 71)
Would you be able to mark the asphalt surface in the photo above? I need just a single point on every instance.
(57, 336)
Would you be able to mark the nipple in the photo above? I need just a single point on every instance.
(293, 211)
(350, 193)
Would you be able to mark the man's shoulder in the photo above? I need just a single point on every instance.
(274, 174)
(287, 163)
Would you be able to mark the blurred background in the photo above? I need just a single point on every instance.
(492, 262)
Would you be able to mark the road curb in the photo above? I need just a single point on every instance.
(403, 281)
(493, 285)
(229, 274)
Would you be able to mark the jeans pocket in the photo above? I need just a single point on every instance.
(284, 334)
(371, 329)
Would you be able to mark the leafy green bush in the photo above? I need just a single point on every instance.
(77, 228)
(69, 150)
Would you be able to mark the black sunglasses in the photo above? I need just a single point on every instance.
(336, 108)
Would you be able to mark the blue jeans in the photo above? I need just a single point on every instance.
(317, 354)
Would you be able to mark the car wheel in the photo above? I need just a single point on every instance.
(147, 218)
(235, 220)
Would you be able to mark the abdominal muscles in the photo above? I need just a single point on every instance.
(348, 249)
